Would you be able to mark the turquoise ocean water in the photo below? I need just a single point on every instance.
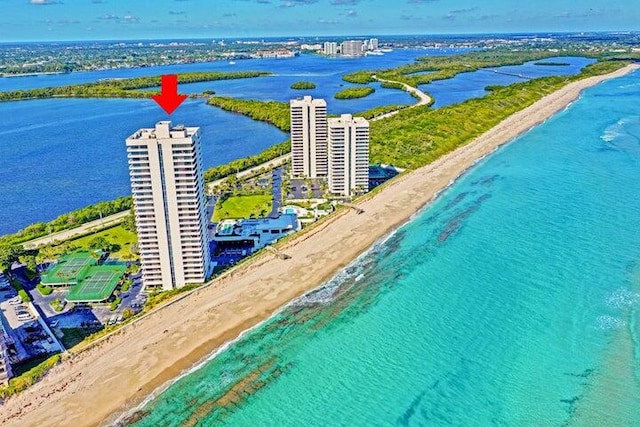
(511, 301)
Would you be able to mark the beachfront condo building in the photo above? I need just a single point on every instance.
(352, 48)
(348, 155)
(167, 183)
(308, 137)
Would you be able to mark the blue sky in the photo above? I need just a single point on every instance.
(131, 19)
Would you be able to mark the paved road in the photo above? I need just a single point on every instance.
(276, 192)
(61, 236)
(424, 99)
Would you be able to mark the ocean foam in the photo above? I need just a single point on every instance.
(609, 323)
(623, 298)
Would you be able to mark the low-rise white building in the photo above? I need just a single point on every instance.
(258, 232)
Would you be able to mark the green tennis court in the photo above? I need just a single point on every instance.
(69, 269)
(97, 285)
(73, 266)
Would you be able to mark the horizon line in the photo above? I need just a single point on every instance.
(283, 37)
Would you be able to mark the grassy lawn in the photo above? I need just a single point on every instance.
(117, 235)
(243, 207)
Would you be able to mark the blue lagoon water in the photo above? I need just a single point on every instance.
(472, 85)
(512, 300)
(62, 154)
(57, 155)
(303, 65)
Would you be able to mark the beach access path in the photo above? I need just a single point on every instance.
(119, 372)
(423, 98)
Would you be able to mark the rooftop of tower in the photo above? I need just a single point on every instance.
(164, 130)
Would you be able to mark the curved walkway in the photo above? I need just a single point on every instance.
(423, 98)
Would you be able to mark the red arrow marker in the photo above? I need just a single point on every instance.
(169, 99)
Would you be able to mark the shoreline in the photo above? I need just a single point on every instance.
(125, 368)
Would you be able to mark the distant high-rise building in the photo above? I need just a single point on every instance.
(348, 155)
(351, 48)
(308, 137)
(330, 48)
(313, 47)
(167, 183)
(373, 44)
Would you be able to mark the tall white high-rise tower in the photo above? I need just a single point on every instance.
(308, 137)
(348, 155)
(167, 183)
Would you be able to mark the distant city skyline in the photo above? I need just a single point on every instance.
(46, 20)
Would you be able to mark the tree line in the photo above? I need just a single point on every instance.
(121, 88)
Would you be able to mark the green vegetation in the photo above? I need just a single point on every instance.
(24, 295)
(67, 221)
(359, 77)
(116, 240)
(8, 254)
(57, 305)
(354, 92)
(303, 85)
(276, 113)
(74, 336)
(113, 306)
(378, 111)
(444, 67)
(252, 206)
(121, 88)
(161, 296)
(551, 63)
(417, 136)
(44, 289)
(240, 165)
(21, 382)
(127, 313)
(126, 285)
(392, 85)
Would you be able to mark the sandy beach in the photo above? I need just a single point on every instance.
(119, 372)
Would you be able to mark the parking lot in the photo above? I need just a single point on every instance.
(83, 316)
(301, 190)
(27, 337)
